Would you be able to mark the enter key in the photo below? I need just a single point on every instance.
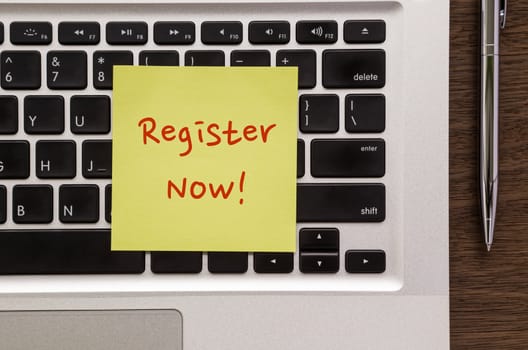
(348, 158)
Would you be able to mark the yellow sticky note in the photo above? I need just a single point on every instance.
(204, 158)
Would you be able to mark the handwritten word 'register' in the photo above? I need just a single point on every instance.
(207, 134)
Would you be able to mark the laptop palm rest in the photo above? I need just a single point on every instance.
(93, 330)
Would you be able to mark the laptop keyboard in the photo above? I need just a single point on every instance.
(56, 124)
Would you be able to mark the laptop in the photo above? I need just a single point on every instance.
(370, 269)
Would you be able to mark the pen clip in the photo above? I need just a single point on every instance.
(502, 13)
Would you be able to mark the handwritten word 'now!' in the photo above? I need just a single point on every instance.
(200, 189)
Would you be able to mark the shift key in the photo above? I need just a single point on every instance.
(342, 202)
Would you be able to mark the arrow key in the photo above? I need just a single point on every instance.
(319, 262)
(273, 262)
(79, 33)
(365, 261)
(319, 239)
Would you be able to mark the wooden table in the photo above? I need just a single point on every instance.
(489, 291)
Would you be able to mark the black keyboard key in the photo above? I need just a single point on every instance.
(305, 60)
(79, 33)
(369, 31)
(126, 33)
(319, 262)
(55, 159)
(365, 261)
(233, 262)
(103, 64)
(365, 113)
(250, 58)
(273, 262)
(174, 33)
(354, 69)
(340, 202)
(1, 33)
(44, 114)
(269, 32)
(316, 32)
(3, 204)
(79, 203)
(348, 158)
(90, 114)
(32, 204)
(97, 159)
(20, 70)
(319, 113)
(319, 240)
(176, 262)
(221, 33)
(8, 114)
(67, 70)
(159, 58)
(31, 33)
(14, 159)
(64, 252)
(108, 203)
(300, 158)
(204, 58)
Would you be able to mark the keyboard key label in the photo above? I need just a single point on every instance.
(204, 158)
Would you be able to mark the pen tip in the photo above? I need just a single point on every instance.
(489, 247)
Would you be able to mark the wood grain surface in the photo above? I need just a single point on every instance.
(489, 291)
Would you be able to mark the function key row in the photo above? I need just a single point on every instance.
(184, 32)
(352, 68)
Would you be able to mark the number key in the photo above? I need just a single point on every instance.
(20, 70)
(103, 63)
(67, 70)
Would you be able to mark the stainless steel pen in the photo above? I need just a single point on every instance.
(493, 18)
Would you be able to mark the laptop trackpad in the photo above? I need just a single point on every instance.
(93, 330)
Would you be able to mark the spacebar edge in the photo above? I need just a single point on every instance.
(64, 252)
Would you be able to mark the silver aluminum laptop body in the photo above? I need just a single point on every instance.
(404, 307)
